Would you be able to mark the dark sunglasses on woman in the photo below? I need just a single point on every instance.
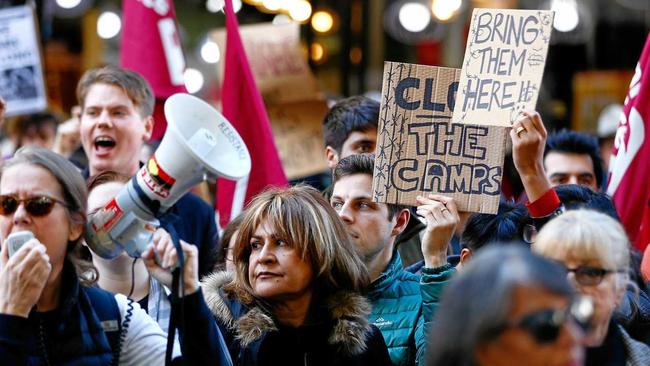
(37, 206)
(545, 325)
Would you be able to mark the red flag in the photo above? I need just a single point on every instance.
(629, 172)
(244, 108)
(150, 46)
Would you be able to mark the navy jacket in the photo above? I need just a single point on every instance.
(74, 333)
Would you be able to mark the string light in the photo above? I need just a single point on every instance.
(322, 21)
(108, 25)
(414, 17)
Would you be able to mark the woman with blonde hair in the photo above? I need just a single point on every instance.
(296, 293)
(595, 251)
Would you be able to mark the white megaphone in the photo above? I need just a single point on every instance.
(199, 144)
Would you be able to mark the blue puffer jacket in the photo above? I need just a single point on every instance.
(403, 304)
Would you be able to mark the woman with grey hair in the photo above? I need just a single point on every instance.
(49, 312)
(507, 307)
(595, 251)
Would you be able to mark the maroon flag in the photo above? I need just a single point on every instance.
(629, 172)
(244, 108)
(150, 46)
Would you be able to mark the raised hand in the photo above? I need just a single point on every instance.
(442, 218)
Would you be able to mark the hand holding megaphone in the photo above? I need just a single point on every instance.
(199, 144)
(161, 257)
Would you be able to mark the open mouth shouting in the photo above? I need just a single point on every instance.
(103, 145)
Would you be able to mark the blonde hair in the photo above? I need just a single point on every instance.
(302, 217)
(587, 235)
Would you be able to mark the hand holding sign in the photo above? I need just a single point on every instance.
(442, 218)
(528, 137)
(421, 149)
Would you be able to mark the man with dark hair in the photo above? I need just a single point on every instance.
(350, 127)
(575, 197)
(510, 224)
(403, 303)
(116, 120)
(573, 158)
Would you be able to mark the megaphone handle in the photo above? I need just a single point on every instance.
(177, 286)
(180, 258)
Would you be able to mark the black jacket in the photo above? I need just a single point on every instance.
(342, 334)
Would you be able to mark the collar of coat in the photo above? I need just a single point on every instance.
(349, 313)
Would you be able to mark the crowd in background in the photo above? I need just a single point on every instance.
(303, 277)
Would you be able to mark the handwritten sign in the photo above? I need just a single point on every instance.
(297, 130)
(21, 74)
(503, 66)
(419, 151)
(280, 69)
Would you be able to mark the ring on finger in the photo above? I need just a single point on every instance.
(519, 130)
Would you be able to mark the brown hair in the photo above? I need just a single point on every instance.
(132, 83)
(302, 217)
(361, 164)
(106, 177)
(75, 196)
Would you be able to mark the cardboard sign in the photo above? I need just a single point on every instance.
(503, 66)
(280, 69)
(419, 151)
(21, 74)
(297, 129)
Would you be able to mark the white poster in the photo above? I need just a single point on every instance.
(21, 74)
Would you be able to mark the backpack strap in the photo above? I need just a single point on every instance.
(105, 306)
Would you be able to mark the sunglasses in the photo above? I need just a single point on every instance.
(590, 276)
(35, 206)
(545, 325)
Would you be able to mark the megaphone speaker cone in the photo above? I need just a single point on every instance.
(207, 136)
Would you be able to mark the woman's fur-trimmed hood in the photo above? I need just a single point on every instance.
(349, 313)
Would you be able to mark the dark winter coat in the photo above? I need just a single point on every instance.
(339, 335)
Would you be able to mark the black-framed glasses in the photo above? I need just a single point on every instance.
(590, 276)
(545, 325)
(37, 206)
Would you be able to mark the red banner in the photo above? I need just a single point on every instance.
(629, 172)
(150, 45)
(244, 108)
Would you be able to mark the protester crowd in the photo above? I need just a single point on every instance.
(303, 277)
